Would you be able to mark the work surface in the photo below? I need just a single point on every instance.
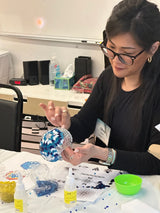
(34, 95)
(49, 92)
(90, 199)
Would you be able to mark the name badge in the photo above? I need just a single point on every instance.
(158, 127)
(102, 131)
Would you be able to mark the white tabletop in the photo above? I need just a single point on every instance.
(109, 201)
(49, 92)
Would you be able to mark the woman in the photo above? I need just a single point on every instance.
(126, 96)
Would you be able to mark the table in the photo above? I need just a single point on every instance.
(36, 94)
(108, 201)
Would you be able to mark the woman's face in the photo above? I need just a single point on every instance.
(125, 44)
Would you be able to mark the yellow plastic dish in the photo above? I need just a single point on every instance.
(128, 184)
(7, 189)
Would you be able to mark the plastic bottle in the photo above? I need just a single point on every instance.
(58, 72)
(20, 196)
(54, 70)
(70, 191)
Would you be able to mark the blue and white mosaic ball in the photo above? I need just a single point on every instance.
(51, 145)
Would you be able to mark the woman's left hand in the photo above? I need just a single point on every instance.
(79, 155)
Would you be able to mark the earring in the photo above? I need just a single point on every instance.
(150, 59)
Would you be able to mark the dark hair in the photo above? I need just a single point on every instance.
(142, 19)
(139, 17)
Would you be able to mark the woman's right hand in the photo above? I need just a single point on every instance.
(58, 116)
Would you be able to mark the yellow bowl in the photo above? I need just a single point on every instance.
(7, 189)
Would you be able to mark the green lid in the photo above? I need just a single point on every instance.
(128, 184)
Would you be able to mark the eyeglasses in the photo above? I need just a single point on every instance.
(124, 58)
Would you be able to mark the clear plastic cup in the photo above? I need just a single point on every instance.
(54, 142)
(44, 184)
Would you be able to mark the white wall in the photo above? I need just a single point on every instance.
(27, 50)
(84, 20)
(62, 18)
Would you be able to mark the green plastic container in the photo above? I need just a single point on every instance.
(128, 184)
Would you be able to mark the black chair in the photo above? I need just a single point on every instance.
(11, 120)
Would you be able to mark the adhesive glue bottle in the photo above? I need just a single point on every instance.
(54, 70)
(20, 197)
(70, 191)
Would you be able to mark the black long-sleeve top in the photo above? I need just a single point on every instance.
(132, 154)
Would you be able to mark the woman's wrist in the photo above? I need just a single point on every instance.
(100, 153)
(110, 158)
(106, 156)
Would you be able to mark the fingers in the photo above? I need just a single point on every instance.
(64, 157)
(58, 116)
(80, 150)
(51, 105)
(49, 111)
(65, 118)
(85, 152)
(67, 153)
(73, 159)
(62, 117)
(76, 150)
(43, 106)
(47, 108)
